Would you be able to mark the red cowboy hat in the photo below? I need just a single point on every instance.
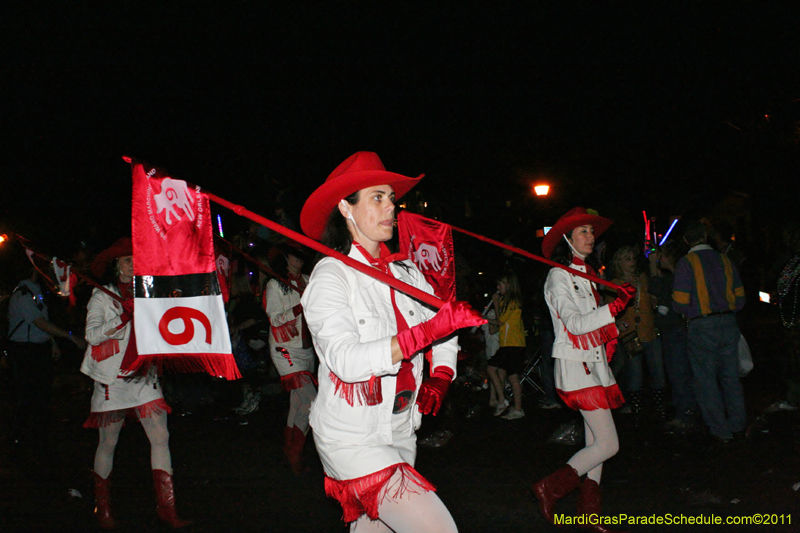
(577, 216)
(359, 171)
(121, 248)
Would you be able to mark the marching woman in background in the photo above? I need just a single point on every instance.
(370, 340)
(291, 350)
(585, 337)
(120, 393)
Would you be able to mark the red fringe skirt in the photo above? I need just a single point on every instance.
(363, 495)
(587, 386)
(106, 418)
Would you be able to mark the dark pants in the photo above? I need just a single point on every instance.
(679, 370)
(713, 354)
(31, 382)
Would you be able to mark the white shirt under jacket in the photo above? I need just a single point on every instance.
(575, 310)
(103, 314)
(352, 321)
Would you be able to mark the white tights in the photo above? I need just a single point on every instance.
(300, 400)
(421, 512)
(602, 444)
(155, 426)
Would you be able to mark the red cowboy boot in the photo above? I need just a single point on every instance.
(553, 488)
(589, 500)
(294, 449)
(102, 498)
(165, 496)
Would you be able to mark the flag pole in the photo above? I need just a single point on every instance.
(85, 278)
(258, 263)
(520, 251)
(414, 292)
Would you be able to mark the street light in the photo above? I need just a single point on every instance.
(541, 189)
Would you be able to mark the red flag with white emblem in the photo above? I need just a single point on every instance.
(429, 244)
(179, 317)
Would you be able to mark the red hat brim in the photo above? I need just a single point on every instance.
(317, 209)
(121, 248)
(566, 224)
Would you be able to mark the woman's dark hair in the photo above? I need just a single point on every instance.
(562, 253)
(280, 263)
(110, 276)
(336, 235)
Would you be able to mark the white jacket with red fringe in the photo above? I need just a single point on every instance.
(351, 319)
(581, 326)
(103, 357)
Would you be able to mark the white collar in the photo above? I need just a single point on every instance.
(698, 247)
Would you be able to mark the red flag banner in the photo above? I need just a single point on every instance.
(429, 244)
(179, 317)
(65, 278)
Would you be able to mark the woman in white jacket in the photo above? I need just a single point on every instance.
(290, 349)
(369, 339)
(120, 393)
(585, 337)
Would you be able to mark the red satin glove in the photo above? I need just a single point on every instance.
(432, 392)
(127, 311)
(452, 316)
(611, 349)
(297, 310)
(624, 295)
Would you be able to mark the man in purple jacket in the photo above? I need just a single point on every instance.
(708, 291)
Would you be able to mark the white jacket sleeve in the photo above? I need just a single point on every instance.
(561, 295)
(355, 349)
(276, 305)
(101, 316)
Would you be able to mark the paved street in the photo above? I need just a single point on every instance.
(231, 477)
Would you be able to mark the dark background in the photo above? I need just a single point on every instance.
(668, 107)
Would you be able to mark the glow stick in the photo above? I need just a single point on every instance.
(666, 235)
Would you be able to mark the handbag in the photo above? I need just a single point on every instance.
(745, 357)
(631, 342)
(243, 355)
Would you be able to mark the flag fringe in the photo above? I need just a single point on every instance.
(362, 495)
(221, 365)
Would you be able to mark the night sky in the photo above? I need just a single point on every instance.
(622, 106)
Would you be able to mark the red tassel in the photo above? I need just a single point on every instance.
(296, 380)
(221, 365)
(105, 349)
(286, 332)
(593, 398)
(361, 495)
(594, 338)
(367, 392)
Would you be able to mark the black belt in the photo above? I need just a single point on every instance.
(712, 314)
